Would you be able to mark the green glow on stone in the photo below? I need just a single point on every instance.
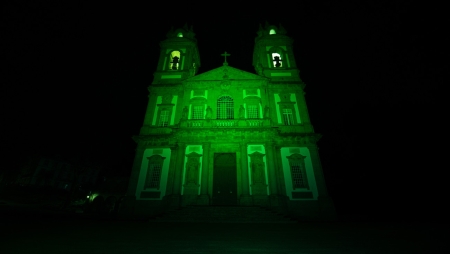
(272, 31)
(280, 74)
(180, 34)
(170, 76)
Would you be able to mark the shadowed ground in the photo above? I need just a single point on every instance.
(38, 231)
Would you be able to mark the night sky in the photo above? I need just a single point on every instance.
(75, 81)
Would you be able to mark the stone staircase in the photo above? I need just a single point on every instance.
(223, 214)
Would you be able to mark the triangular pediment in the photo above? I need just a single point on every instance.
(231, 72)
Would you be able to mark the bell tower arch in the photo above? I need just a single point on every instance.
(179, 58)
(273, 56)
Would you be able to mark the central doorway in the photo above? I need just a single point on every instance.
(224, 180)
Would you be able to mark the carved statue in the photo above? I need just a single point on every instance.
(242, 112)
(208, 113)
(191, 172)
(192, 169)
(258, 172)
(266, 112)
(184, 114)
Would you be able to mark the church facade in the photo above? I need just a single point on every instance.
(227, 137)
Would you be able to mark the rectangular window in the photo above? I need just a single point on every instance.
(225, 108)
(197, 112)
(155, 176)
(298, 180)
(288, 119)
(164, 118)
(252, 111)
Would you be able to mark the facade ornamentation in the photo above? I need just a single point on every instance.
(227, 136)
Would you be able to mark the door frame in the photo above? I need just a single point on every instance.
(225, 148)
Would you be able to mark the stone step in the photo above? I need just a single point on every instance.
(223, 214)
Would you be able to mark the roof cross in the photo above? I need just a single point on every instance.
(225, 55)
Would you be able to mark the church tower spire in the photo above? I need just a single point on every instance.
(179, 57)
(273, 56)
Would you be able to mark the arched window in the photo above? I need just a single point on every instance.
(277, 61)
(175, 58)
(277, 57)
(225, 108)
(272, 31)
(180, 34)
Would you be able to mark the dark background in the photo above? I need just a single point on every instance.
(75, 77)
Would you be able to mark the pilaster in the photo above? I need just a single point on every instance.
(204, 197)
(176, 193)
(274, 198)
(245, 199)
(128, 204)
(149, 112)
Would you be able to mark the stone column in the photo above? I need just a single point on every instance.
(245, 199)
(149, 112)
(128, 204)
(179, 169)
(271, 169)
(318, 173)
(172, 169)
(282, 199)
(279, 171)
(204, 197)
(175, 200)
(303, 111)
(326, 206)
(273, 186)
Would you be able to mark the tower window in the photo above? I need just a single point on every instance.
(276, 58)
(288, 119)
(252, 111)
(174, 60)
(272, 31)
(164, 118)
(197, 112)
(225, 108)
(180, 34)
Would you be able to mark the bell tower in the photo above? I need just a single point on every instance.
(179, 57)
(273, 56)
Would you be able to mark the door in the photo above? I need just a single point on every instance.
(224, 179)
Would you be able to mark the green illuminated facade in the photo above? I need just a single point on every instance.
(227, 137)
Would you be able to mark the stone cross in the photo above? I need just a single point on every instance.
(225, 55)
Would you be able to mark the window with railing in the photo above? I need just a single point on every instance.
(197, 112)
(225, 108)
(252, 111)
